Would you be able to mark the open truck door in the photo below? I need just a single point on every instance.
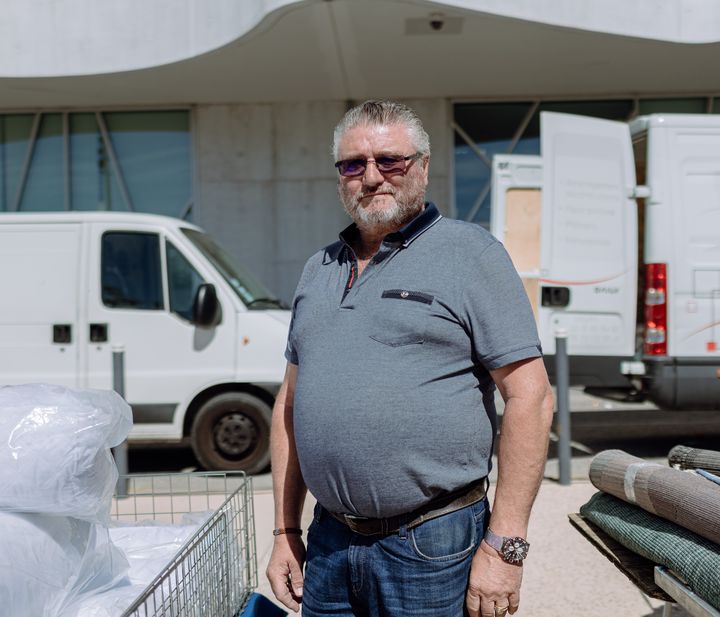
(589, 253)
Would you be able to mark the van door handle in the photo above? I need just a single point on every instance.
(555, 296)
(98, 333)
(62, 333)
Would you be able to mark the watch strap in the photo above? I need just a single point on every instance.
(493, 540)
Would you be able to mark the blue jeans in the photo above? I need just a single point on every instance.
(410, 573)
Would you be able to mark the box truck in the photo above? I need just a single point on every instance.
(202, 340)
(615, 231)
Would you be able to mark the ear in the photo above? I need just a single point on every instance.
(426, 168)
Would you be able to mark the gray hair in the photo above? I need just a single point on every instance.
(380, 113)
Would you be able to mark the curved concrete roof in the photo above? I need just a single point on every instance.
(58, 38)
(75, 52)
(675, 21)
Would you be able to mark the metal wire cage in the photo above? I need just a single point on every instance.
(215, 571)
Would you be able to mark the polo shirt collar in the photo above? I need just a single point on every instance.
(403, 237)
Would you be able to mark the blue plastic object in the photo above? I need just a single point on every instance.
(259, 606)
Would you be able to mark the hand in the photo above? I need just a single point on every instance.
(285, 570)
(493, 582)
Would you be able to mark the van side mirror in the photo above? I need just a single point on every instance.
(206, 308)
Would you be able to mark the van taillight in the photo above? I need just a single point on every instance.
(656, 309)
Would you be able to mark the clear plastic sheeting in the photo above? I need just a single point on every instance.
(46, 561)
(55, 453)
(148, 548)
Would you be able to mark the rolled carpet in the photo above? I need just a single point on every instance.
(680, 497)
(684, 457)
(692, 557)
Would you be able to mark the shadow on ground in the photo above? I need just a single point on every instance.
(644, 433)
(161, 459)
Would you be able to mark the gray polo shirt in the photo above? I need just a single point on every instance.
(394, 402)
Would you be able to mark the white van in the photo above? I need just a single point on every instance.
(615, 231)
(203, 342)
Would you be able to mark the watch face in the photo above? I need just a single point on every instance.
(514, 550)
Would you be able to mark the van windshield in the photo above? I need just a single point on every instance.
(253, 293)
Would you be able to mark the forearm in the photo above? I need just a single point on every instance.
(284, 569)
(522, 452)
(288, 486)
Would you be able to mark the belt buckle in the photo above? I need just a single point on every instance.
(359, 524)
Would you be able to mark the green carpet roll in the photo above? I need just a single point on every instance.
(694, 558)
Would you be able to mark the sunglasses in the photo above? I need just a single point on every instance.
(389, 164)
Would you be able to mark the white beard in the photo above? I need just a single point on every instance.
(408, 203)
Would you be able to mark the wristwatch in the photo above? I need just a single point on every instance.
(512, 550)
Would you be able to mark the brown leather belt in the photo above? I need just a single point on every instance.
(437, 507)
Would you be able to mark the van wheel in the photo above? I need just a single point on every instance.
(232, 432)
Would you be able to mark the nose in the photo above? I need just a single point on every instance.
(372, 177)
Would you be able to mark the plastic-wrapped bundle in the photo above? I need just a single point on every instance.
(148, 549)
(684, 457)
(55, 449)
(46, 561)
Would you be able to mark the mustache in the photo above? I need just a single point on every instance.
(380, 191)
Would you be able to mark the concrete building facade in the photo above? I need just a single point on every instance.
(223, 111)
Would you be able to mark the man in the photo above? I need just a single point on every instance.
(400, 333)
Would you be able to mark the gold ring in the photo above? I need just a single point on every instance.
(501, 610)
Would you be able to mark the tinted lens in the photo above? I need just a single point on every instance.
(384, 164)
(390, 163)
(352, 167)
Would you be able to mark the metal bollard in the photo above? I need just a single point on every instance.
(562, 382)
(120, 452)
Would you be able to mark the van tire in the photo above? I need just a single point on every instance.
(231, 431)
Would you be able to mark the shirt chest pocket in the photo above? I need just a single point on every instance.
(401, 317)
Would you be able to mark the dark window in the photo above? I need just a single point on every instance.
(673, 106)
(121, 160)
(183, 283)
(15, 132)
(44, 184)
(619, 110)
(493, 124)
(93, 184)
(131, 275)
(153, 153)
